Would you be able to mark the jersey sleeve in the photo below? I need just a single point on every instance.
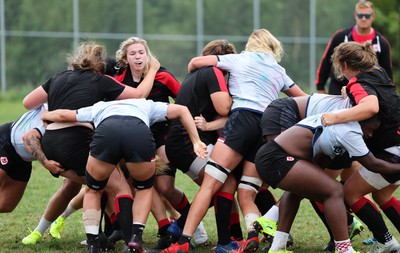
(110, 88)
(228, 62)
(85, 114)
(325, 65)
(384, 58)
(216, 80)
(158, 112)
(169, 81)
(359, 91)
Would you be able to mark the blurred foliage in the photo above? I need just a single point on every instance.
(171, 29)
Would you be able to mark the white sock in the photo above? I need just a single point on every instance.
(70, 210)
(43, 225)
(280, 240)
(273, 213)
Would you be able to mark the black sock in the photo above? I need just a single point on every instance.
(370, 215)
(318, 208)
(223, 207)
(392, 211)
(123, 210)
(264, 200)
(137, 229)
(184, 239)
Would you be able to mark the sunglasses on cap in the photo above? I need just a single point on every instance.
(367, 16)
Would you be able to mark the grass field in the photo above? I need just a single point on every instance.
(308, 231)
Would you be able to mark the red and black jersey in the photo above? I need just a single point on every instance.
(325, 70)
(377, 83)
(165, 84)
(74, 89)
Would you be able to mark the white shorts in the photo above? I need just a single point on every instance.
(199, 164)
(375, 179)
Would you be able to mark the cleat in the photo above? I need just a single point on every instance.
(94, 246)
(280, 251)
(330, 247)
(289, 244)
(265, 226)
(369, 241)
(56, 227)
(105, 244)
(175, 232)
(164, 242)
(200, 235)
(351, 252)
(290, 241)
(389, 247)
(116, 236)
(136, 245)
(176, 248)
(251, 245)
(226, 248)
(355, 228)
(32, 238)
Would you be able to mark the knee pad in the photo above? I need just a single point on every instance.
(146, 184)
(250, 183)
(93, 183)
(217, 171)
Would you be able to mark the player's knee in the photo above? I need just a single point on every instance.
(145, 184)
(217, 171)
(250, 183)
(94, 184)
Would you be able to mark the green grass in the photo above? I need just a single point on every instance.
(308, 231)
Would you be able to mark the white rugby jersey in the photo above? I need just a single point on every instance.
(28, 121)
(146, 110)
(320, 103)
(334, 140)
(255, 79)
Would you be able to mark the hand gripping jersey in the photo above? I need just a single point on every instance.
(335, 140)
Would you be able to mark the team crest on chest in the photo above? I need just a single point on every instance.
(3, 160)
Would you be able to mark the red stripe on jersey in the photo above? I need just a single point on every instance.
(120, 78)
(168, 80)
(324, 55)
(221, 79)
(356, 90)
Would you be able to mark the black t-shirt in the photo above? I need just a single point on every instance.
(74, 89)
(195, 94)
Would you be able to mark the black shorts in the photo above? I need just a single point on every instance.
(273, 163)
(280, 115)
(242, 133)
(388, 157)
(179, 148)
(68, 146)
(160, 131)
(123, 137)
(10, 161)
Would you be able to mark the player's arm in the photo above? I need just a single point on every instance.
(32, 143)
(59, 115)
(182, 113)
(202, 61)
(370, 162)
(365, 109)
